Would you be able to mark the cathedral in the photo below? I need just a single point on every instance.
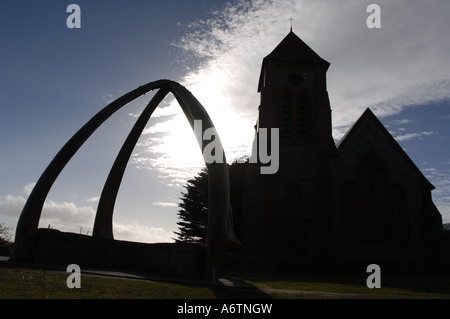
(358, 202)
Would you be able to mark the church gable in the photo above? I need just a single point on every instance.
(384, 196)
(369, 136)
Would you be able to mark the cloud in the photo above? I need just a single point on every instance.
(133, 115)
(11, 205)
(403, 64)
(110, 97)
(163, 127)
(67, 216)
(402, 121)
(93, 199)
(386, 69)
(165, 204)
(410, 136)
(144, 234)
(28, 188)
(170, 149)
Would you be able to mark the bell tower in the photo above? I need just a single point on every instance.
(288, 210)
(294, 94)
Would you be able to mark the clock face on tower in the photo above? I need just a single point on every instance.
(295, 79)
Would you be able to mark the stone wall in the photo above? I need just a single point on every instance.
(167, 259)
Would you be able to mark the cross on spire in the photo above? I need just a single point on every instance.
(291, 22)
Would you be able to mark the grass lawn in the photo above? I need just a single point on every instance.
(397, 286)
(17, 283)
(24, 283)
(20, 283)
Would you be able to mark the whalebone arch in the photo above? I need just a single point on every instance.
(219, 229)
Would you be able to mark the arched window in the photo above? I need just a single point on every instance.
(399, 224)
(302, 116)
(348, 219)
(373, 194)
(287, 108)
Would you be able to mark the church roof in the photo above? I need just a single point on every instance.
(292, 49)
(369, 115)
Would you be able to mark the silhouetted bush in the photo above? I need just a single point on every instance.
(5, 241)
(5, 247)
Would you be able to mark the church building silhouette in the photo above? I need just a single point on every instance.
(350, 204)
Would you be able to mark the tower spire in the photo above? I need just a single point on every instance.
(291, 22)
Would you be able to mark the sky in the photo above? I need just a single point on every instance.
(54, 78)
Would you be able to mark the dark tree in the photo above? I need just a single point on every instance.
(193, 215)
(5, 241)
